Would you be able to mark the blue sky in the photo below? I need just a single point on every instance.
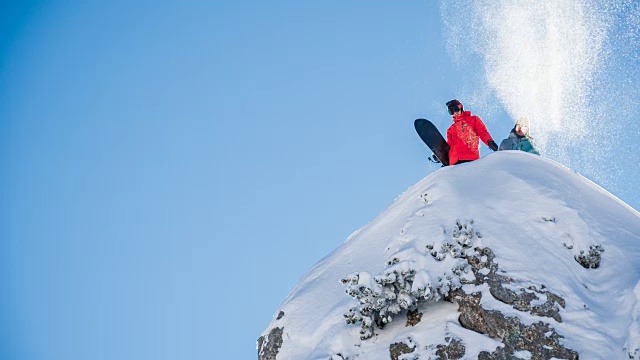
(170, 170)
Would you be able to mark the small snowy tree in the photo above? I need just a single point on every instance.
(592, 259)
(411, 278)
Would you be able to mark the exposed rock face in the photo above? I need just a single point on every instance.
(454, 350)
(486, 272)
(398, 349)
(413, 317)
(268, 348)
(540, 339)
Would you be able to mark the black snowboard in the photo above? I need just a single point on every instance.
(434, 140)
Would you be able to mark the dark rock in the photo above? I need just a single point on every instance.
(268, 348)
(398, 349)
(413, 318)
(280, 315)
(499, 354)
(518, 300)
(540, 339)
(454, 350)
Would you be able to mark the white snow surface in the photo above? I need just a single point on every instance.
(535, 215)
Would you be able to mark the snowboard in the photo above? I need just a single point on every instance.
(434, 140)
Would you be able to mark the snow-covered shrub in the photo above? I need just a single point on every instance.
(592, 259)
(412, 277)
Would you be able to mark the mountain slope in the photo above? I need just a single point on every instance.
(486, 257)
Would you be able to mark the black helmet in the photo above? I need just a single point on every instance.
(453, 106)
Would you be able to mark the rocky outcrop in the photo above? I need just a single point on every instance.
(453, 350)
(539, 339)
(269, 347)
(486, 271)
(413, 317)
(398, 349)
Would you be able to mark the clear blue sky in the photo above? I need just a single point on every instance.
(169, 170)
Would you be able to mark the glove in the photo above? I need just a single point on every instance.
(493, 146)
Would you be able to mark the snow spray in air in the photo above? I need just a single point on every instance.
(549, 61)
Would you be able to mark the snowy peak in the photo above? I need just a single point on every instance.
(510, 256)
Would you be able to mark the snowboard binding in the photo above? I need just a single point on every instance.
(434, 159)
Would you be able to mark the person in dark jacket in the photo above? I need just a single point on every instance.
(519, 138)
(464, 135)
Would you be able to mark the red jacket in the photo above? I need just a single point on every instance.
(463, 135)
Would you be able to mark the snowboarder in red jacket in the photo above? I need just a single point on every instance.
(463, 135)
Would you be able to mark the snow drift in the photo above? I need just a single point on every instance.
(511, 255)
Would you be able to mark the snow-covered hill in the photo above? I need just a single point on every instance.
(511, 256)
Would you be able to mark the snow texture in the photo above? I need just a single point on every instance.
(561, 238)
